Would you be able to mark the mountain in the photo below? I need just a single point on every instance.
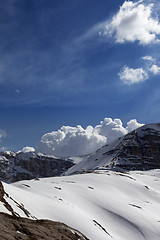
(28, 165)
(138, 150)
(14, 227)
(101, 205)
(116, 198)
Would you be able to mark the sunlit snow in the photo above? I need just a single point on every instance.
(102, 205)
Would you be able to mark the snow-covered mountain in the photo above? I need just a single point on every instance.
(138, 150)
(108, 201)
(103, 206)
(13, 227)
(28, 165)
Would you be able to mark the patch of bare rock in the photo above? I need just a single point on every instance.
(16, 228)
(13, 227)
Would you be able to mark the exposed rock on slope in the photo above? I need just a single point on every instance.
(19, 166)
(1, 192)
(138, 150)
(105, 206)
(13, 228)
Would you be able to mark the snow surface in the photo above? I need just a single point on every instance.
(102, 159)
(103, 205)
(95, 160)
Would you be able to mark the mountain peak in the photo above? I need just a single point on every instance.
(19, 166)
(137, 150)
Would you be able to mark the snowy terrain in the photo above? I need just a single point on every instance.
(101, 205)
(22, 165)
(139, 149)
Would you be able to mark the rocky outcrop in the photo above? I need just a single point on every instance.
(1, 192)
(138, 150)
(13, 228)
(24, 166)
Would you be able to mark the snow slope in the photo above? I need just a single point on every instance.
(138, 150)
(103, 205)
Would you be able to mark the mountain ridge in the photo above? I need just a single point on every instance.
(137, 150)
(109, 201)
(21, 166)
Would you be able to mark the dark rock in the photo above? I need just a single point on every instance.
(140, 149)
(24, 166)
(1, 192)
(137, 150)
(13, 228)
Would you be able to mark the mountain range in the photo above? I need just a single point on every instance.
(27, 165)
(137, 150)
(112, 193)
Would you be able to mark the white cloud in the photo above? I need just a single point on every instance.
(131, 76)
(155, 69)
(133, 124)
(77, 141)
(111, 129)
(71, 141)
(27, 149)
(148, 58)
(134, 22)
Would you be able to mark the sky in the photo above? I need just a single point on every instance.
(76, 62)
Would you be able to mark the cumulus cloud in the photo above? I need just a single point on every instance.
(111, 129)
(134, 22)
(131, 76)
(77, 141)
(132, 125)
(148, 58)
(27, 149)
(71, 141)
(155, 69)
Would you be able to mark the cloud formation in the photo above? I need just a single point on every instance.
(148, 58)
(77, 141)
(111, 129)
(71, 141)
(134, 22)
(130, 75)
(27, 149)
(155, 69)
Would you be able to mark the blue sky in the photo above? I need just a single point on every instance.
(72, 62)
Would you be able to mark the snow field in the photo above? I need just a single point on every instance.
(104, 205)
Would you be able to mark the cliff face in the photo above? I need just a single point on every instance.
(1, 192)
(138, 150)
(20, 166)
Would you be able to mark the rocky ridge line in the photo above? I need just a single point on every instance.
(24, 166)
